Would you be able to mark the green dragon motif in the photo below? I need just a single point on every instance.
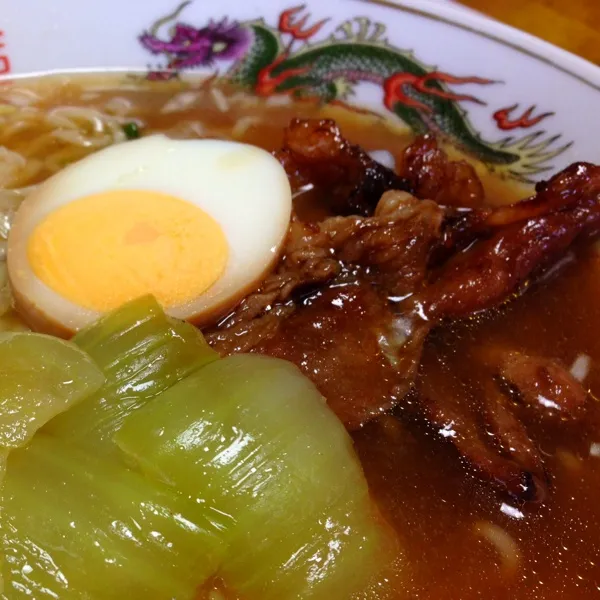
(281, 60)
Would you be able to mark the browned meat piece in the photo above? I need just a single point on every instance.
(522, 242)
(491, 271)
(511, 440)
(394, 243)
(326, 307)
(431, 174)
(574, 185)
(336, 341)
(543, 385)
(488, 436)
(307, 261)
(397, 240)
(461, 227)
(314, 151)
(486, 429)
(578, 183)
(345, 337)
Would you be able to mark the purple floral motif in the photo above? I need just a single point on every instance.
(189, 46)
(287, 58)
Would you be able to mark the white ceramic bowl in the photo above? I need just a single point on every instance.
(521, 105)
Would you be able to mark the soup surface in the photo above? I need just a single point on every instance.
(463, 538)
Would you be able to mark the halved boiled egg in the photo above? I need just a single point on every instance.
(196, 223)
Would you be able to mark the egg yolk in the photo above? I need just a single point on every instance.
(105, 249)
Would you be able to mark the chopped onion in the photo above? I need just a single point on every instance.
(595, 450)
(581, 367)
(188, 130)
(383, 157)
(242, 125)
(220, 99)
(278, 100)
(118, 106)
(181, 101)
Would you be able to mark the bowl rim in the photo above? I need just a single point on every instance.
(447, 12)
(481, 25)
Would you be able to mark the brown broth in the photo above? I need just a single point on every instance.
(437, 505)
(371, 131)
(438, 510)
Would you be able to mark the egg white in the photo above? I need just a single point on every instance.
(242, 187)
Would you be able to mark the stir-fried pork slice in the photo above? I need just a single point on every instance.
(394, 244)
(487, 435)
(314, 151)
(431, 174)
(570, 187)
(396, 241)
(307, 261)
(488, 431)
(508, 433)
(576, 185)
(543, 384)
(342, 330)
(336, 340)
(491, 271)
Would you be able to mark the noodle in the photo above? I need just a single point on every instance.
(36, 142)
(220, 99)
(21, 96)
(383, 157)
(10, 164)
(118, 106)
(51, 122)
(59, 121)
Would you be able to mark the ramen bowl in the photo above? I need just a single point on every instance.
(294, 339)
(522, 106)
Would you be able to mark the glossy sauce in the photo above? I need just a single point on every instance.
(442, 514)
(427, 493)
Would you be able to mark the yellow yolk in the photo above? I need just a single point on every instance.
(105, 249)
